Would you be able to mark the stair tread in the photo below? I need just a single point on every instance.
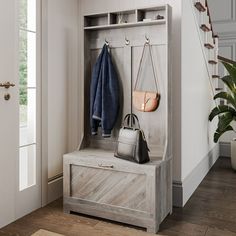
(212, 61)
(205, 28)
(215, 76)
(200, 7)
(208, 45)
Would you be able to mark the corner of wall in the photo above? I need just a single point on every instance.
(55, 189)
(176, 85)
(183, 190)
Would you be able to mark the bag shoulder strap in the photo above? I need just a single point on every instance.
(130, 120)
(140, 65)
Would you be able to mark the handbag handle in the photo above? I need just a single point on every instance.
(140, 64)
(131, 119)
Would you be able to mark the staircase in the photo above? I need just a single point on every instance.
(208, 40)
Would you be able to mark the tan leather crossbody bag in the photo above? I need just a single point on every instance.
(146, 101)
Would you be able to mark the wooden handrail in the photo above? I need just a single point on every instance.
(224, 59)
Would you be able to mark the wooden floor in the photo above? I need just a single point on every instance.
(211, 211)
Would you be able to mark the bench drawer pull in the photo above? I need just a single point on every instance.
(106, 166)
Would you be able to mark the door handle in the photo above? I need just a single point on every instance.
(7, 85)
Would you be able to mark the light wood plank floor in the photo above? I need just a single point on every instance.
(211, 211)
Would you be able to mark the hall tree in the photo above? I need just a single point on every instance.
(146, 196)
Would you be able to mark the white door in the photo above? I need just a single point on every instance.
(9, 121)
(20, 157)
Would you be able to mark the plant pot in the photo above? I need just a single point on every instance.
(233, 154)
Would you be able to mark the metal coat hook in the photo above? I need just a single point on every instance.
(106, 42)
(127, 42)
(147, 39)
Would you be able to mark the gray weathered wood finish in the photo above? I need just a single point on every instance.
(95, 182)
(126, 60)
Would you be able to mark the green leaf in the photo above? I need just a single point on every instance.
(221, 109)
(229, 81)
(231, 69)
(226, 113)
(224, 121)
(219, 133)
(228, 97)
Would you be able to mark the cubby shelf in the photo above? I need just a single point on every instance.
(124, 19)
(124, 25)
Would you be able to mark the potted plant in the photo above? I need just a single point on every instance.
(227, 112)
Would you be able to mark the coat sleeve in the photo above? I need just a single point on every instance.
(110, 95)
(95, 97)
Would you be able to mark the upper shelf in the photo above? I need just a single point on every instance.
(153, 22)
(129, 18)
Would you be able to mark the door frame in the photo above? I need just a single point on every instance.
(44, 100)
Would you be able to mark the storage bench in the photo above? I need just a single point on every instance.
(98, 184)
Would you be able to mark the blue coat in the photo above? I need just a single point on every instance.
(104, 95)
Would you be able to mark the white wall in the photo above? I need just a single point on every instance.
(197, 97)
(60, 86)
(196, 104)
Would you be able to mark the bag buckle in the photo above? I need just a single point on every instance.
(143, 107)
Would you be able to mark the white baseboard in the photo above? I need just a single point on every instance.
(55, 189)
(182, 191)
(225, 149)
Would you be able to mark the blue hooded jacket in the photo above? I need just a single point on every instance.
(104, 95)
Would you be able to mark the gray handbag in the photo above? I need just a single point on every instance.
(131, 144)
